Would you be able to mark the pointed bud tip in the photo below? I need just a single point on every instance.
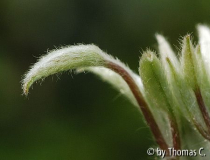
(186, 40)
(188, 37)
(159, 38)
(148, 55)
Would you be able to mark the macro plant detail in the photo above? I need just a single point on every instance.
(172, 90)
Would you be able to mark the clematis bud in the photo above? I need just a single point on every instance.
(188, 62)
(153, 78)
(68, 58)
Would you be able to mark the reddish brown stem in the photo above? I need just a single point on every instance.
(142, 104)
(201, 130)
(175, 134)
(203, 109)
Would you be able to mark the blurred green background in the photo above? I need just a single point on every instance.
(78, 117)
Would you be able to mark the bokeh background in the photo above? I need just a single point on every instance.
(78, 117)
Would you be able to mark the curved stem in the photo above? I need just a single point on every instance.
(142, 104)
(203, 109)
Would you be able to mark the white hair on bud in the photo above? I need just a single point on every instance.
(76, 57)
(62, 60)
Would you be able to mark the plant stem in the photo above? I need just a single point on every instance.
(175, 133)
(201, 130)
(142, 104)
(203, 109)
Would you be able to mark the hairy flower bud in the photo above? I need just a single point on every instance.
(172, 91)
(188, 62)
(155, 83)
(68, 58)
